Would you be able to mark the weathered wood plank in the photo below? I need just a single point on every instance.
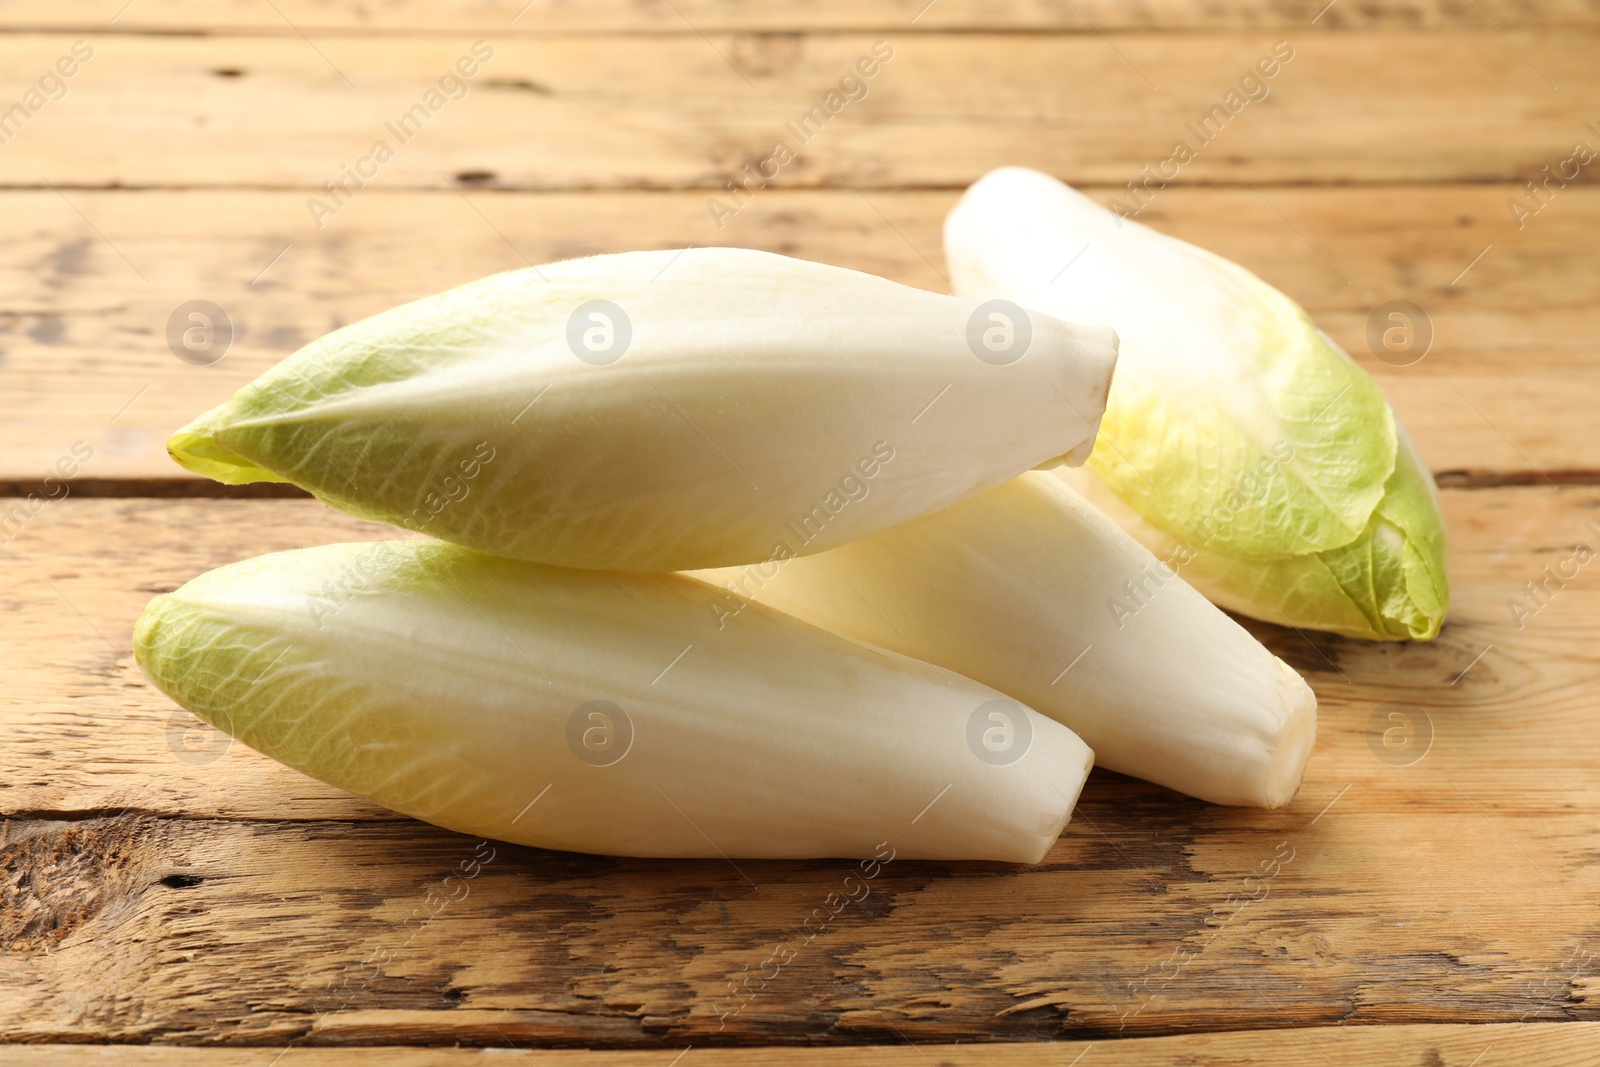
(154, 892)
(84, 355)
(724, 16)
(642, 111)
(1546, 1045)
(1543, 1044)
(195, 931)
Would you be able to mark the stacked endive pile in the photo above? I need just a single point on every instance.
(733, 554)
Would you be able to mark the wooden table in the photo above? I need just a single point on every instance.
(162, 887)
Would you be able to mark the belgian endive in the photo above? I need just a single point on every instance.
(1031, 590)
(602, 712)
(1253, 451)
(655, 411)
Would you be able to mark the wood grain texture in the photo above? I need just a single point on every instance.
(1534, 1044)
(1505, 391)
(643, 111)
(164, 885)
(160, 884)
(722, 16)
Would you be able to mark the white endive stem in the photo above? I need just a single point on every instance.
(607, 713)
(653, 411)
(1029, 589)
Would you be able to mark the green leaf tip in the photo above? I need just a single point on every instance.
(197, 448)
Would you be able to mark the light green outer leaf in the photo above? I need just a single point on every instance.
(1389, 584)
(261, 418)
(1303, 475)
(196, 447)
(762, 407)
(1219, 373)
(1234, 430)
(1395, 572)
(444, 684)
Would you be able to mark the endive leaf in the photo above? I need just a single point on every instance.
(656, 411)
(1031, 590)
(602, 712)
(1387, 584)
(1235, 429)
